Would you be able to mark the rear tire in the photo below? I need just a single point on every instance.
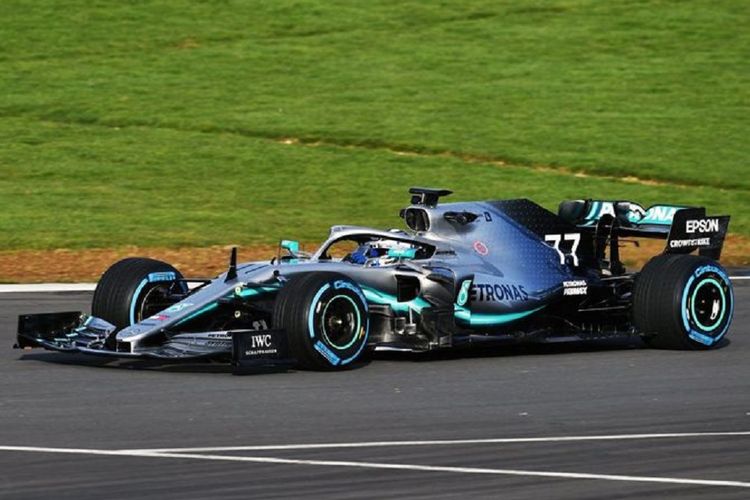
(325, 317)
(123, 293)
(682, 302)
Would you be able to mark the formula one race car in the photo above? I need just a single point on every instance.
(464, 273)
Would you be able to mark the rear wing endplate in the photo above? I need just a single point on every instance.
(691, 229)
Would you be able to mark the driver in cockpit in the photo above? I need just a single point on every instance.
(375, 253)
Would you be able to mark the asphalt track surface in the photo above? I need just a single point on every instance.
(65, 421)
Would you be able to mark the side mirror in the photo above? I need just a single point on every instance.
(291, 246)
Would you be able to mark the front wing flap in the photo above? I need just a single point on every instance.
(64, 331)
(75, 332)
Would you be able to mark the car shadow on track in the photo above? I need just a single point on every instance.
(513, 350)
(60, 358)
(207, 366)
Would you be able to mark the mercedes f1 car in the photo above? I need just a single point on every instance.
(463, 273)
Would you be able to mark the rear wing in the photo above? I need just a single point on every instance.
(686, 229)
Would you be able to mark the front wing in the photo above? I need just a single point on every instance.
(75, 332)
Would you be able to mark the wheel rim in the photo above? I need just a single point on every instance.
(154, 300)
(708, 304)
(341, 322)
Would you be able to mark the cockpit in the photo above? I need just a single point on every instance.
(373, 248)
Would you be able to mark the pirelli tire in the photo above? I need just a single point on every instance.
(134, 289)
(325, 317)
(683, 302)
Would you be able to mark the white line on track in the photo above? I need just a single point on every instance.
(387, 466)
(57, 287)
(48, 287)
(372, 444)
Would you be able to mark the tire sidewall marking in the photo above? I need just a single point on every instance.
(134, 300)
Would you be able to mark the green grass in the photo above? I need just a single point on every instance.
(154, 123)
(191, 188)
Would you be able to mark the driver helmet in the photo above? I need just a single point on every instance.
(377, 250)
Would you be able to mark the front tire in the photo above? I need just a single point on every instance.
(683, 302)
(325, 317)
(134, 289)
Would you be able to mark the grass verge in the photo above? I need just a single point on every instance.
(227, 188)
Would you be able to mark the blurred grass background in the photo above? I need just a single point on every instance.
(199, 123)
